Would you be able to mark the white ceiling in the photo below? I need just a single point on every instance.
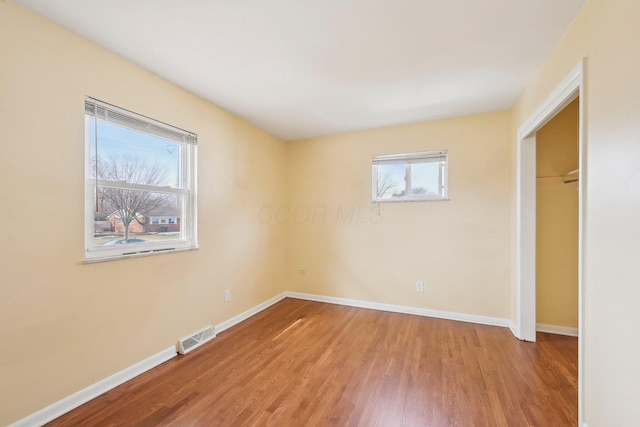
(304, 68)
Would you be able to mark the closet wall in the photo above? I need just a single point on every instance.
(557, 221)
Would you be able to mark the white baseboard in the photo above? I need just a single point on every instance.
(252, 311)
(514, 330)
(460, 317)
(559, 330)
(69, 403)
(65, 405)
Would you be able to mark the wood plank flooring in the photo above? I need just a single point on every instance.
(302, 363)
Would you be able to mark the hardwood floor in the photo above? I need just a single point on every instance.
(302, 363)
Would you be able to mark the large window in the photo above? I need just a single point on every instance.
(410, 177)
(137, 171)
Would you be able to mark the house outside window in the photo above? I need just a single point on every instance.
(138, 170)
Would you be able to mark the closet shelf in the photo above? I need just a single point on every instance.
(572, 176)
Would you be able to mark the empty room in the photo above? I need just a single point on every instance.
(371, 213)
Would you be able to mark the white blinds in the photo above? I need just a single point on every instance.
(428, 156)
(111, 113)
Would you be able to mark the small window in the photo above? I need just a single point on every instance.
(410, 177)
(136, 167)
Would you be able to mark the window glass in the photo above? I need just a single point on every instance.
(134, 157)
(391, 181)
(410, 177)
(425, 178)
(139, 171)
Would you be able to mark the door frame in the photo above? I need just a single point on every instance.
(571, 88)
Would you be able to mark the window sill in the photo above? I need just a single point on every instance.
(410, 200)
(138, 254)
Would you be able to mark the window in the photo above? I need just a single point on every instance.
(410, 177)
(136, 166)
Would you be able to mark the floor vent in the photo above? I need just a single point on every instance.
(185, 345)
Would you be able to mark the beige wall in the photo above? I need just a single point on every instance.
(557, 221)
(65, 325)
(606, 32)
(73, 324)
(352, 248)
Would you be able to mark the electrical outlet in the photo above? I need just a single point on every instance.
(227, 294)
(420, 286)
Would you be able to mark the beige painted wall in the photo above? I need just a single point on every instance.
(65, 325)
(352, 248)
(73, 325)
(557, 221)
(606, 32)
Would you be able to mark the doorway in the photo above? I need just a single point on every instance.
(557, 178)
(570, 89)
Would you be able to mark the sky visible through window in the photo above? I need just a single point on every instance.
(424, 178)
(117, 143)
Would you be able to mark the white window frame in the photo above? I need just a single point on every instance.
(409, 159)
(186, 189)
